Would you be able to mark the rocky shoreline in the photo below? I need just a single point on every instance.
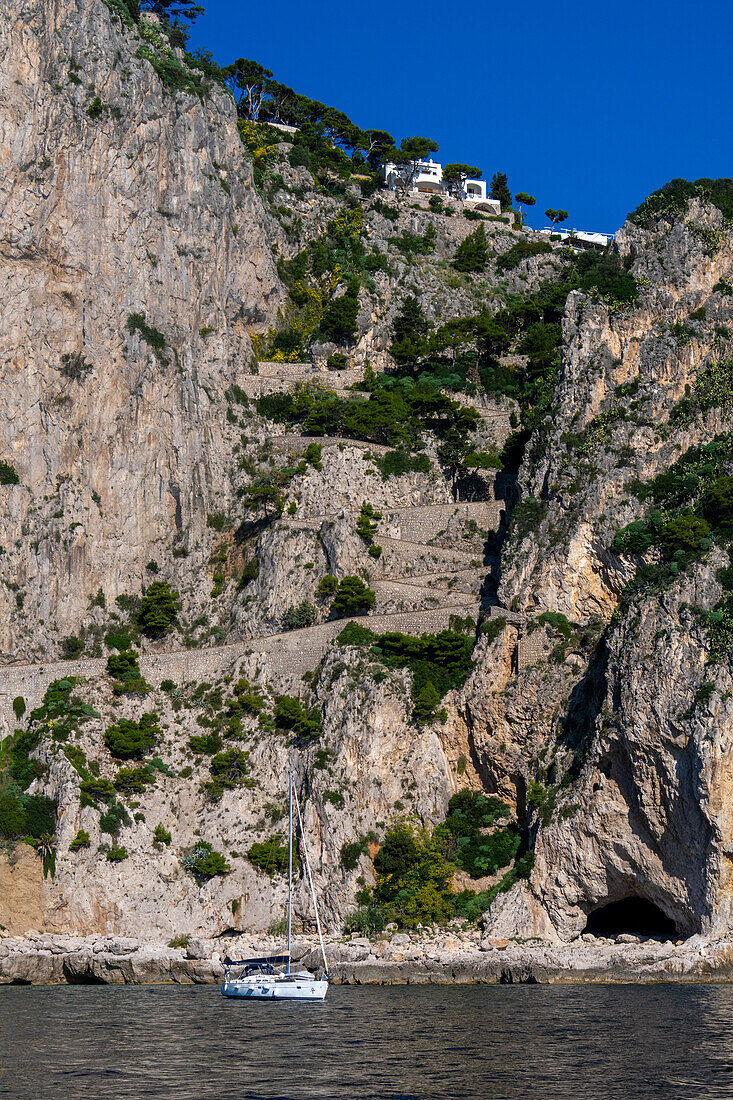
(52, 959)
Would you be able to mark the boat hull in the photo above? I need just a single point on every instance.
(280, 989)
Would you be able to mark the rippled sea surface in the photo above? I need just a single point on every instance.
(503, 1042)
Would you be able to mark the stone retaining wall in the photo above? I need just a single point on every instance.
(299, 443)
(280, 658)
(421, 524)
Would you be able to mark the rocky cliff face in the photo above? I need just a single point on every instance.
(626, 756)
(135, 265)
(139, 265)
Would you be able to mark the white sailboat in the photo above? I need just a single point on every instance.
(270, 977)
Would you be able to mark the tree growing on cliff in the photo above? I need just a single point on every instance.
(158, 609)
(352, 597)
(523, 199)
(500, 190)
(339, 320)
(409, 333)
(556, 216)
(265, 495)
(472, 254)
(248, 81)
(455, 176)
(407, 158)
(167, 10)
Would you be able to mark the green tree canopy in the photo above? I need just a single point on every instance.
(472, 253)
(500, 190)
(556, 216)
(353, 597)
(408, 156)
(158, 609)
(264, 495)
(409, 333)
(376, 144)
(249, 81)
(455, 176)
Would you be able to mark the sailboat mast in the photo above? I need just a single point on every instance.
(310, 883)
(290, 866)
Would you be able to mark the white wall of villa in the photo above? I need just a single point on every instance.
(428, 180)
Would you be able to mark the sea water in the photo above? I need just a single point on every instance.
(501, 1042)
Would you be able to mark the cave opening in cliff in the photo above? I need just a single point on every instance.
(635, 915)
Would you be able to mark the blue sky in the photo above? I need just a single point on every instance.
(589, 107)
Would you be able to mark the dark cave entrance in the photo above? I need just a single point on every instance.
(634, 915)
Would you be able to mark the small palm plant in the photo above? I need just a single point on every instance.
(45, 847)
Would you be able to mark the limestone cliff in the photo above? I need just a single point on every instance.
(152, 277)
(135, 264)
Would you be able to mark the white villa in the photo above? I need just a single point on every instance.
(429, 181)
(578, 239)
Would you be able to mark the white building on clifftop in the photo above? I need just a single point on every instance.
(428, 180)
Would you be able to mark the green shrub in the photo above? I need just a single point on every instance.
(312, 455)
(475, 851)
(153, 338)
(205, 743)
(72, 647)
(398, 462)
(114, 818)
(366, 523)
(204, 863)
(670, 201)
(527, 516)
(26, 815)
(367, 920)
(229, 769)
(492, 628)
(356, 634)
(299, 157)
(96, 108)
(19, 707)
(351, 854)
(81, 840)
(295, 618)
(123, 665)
(133, 780)
(250, 572)
(339, 319)
(327, 587)
(94, 790)
(472, 253)
(353, 597)
(131, 740)
(290, 716)
(158, 609)
(271, 855)
(520, 251)
(8, 475)
(416, 244)
(217, 521)
(161, 835)
(117, 853)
